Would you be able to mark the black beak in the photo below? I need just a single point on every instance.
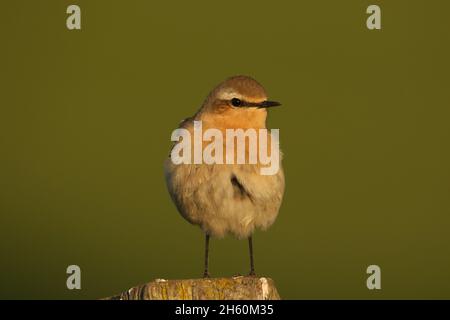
(268, 104)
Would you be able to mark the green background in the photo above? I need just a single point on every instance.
(86, 118)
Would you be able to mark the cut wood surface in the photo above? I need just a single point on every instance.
(235, 288)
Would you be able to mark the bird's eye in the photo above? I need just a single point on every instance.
(236, 102)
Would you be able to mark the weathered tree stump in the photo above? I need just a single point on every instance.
(235, 288)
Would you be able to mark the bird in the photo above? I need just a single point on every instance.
(228, 199)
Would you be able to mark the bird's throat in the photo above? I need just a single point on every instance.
(235, 119)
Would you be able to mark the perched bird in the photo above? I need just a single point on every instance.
(225, 198)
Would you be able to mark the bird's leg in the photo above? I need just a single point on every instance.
(206, 273)
(252, 265)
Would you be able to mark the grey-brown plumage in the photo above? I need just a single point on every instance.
(228, 198)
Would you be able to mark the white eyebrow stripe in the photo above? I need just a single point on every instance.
(228, 95)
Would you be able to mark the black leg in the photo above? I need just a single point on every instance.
(252, 264)
(206, 273)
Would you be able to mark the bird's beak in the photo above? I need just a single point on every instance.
(268, 104)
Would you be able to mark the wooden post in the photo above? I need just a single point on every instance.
(235, 288)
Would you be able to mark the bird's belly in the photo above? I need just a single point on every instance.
(208, 196)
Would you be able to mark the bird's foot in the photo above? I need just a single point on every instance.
(206, 275)
(252, 273)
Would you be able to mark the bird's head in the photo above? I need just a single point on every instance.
(238, 102)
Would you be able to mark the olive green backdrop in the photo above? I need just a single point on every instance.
(86, 118)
